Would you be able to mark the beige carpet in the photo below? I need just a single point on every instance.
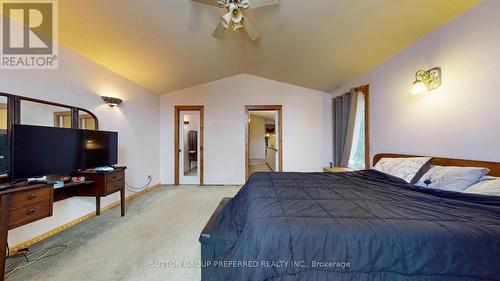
(161, 228)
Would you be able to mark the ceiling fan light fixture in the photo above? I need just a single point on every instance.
(236, 15)
(226, 20)
(235, 12)
(237, 25)
(234, 18)
(231, 6)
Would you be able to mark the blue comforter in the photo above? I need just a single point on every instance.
(355, 226)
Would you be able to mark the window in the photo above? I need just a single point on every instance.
(357, 158)
(351, 129)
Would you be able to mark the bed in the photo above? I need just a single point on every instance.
(363, 225)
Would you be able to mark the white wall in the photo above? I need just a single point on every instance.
(461, 119)
(81, 82)
(305, 131)
(257, 137)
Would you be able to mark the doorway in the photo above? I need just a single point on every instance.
(263, 139)
(188, 148)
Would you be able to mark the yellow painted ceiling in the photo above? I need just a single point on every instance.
(165, 45)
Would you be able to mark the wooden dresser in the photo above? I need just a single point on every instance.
(23, 204)
(105, 184)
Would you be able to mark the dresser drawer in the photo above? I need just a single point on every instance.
(30, 197)
(22, 216)
(116, 176)
(115, 186)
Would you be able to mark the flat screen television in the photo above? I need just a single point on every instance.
(40, 151)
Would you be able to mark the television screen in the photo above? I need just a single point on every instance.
(39, 151)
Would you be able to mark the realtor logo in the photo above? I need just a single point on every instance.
(29, 34)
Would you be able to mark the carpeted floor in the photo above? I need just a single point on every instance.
(259, 166)
(160, 228)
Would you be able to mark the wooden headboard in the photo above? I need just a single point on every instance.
(440, 161)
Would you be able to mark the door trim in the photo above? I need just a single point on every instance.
(177, 111)
(249, 108)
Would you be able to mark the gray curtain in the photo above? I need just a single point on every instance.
(344, 118)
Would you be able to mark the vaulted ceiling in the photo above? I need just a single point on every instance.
(165, 45)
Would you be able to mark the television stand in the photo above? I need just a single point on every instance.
(102, 185)
(22, 204)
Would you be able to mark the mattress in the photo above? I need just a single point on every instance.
(363, 225)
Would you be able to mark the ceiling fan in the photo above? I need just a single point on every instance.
(234, 18)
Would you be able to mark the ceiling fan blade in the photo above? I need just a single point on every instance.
(219, 31)
(250, 29)
(262, 3)
(209, 2)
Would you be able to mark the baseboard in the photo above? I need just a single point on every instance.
(63, 227)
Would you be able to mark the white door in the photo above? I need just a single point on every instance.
(189, 150)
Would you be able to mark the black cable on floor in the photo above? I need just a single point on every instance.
(139, 189)
(27, 257)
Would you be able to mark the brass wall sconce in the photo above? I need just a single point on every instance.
(426, 80)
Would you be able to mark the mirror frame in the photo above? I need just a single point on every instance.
(14, 117)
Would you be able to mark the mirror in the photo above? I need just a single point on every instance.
(40, 114)
(37, 113)
(4, 145)
(191, 126)
(86, 121)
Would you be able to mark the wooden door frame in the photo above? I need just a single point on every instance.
(177, 112)
(365, 89)
(249, 108)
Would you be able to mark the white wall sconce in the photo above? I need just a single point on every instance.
(111, 101)
(426, 80)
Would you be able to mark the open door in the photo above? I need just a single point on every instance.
(188, 147)
(263, 139)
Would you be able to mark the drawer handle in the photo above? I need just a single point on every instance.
(30, 211)
(31, 196)
(115, 176)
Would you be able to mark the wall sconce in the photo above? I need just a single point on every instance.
(186, 123)
(426, 81)
(112, 101)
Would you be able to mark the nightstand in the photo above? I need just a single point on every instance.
(336, 170)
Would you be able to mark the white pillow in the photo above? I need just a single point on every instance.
(405, 168)
(488, 186)
(452, 178)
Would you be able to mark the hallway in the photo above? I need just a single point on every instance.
(259, 166)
